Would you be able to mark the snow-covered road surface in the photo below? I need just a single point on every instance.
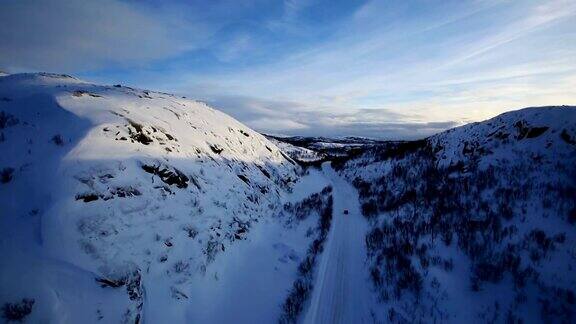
(341, 289)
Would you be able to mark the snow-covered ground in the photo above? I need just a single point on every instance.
(475, 224)
(250, 282)
(121, 205)
(126, 205)
(138, 189)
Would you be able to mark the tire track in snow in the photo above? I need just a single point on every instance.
(341, 289)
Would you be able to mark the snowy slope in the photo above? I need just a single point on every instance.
(543, 133)
(297, 153)
(475, 224)
(138, 189)
(127, 205)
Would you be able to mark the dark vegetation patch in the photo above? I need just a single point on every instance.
(56, 75)
(321, 203)
(177, 294)
(216, 148)
(123, 192)
(264, 171)
(418, 208)
(244, 178)
(521, 129)
(220, 235)
(80, 93)
(134, 289)
(314, 143)
(337, 161)
(244, 133)
(170, 137)
(6, 175)
(145, 94)
(191, 231)
(7, 120)
(499, 134)
(396, 149)
(58, 140)
(567, 138)
(213, 246)
(168, 175)
(306, 207)
(112, 283)
(572, 216)
(536, 131)
(336, 151)
(143, 134)
(120, 192)
(17, 311)
(525, 131)
(239, 229)
(137, 133)
(87, 197)
(381, 150)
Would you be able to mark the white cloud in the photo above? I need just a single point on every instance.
(68, 35)
(293, 118)
(434, 69)
(383, 72)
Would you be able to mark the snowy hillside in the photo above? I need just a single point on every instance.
(475, 224)
(544, 134)
(121, 205)
(297, 153)
(314, 151)
(109, 186)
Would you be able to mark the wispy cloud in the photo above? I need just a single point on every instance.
(293, 118)
(72, 36)
(444, 70)
(315, 66)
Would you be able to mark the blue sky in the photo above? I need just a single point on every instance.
(386, 69)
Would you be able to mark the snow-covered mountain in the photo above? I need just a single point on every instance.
(475, 224)
(118, 187)
(297, 153)
(120, 205)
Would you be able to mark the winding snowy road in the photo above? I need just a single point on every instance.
(341, 287)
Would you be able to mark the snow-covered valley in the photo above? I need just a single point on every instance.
(121, 205)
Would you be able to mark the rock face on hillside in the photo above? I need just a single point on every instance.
(134, 189)
(477, 223)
